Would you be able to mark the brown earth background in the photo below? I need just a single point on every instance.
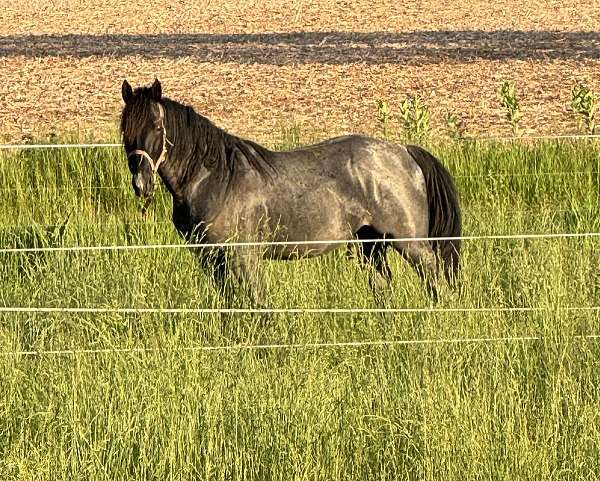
(255, 66)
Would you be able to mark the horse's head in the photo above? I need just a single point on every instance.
(144, 134)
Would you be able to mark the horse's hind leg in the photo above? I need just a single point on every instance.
(380, 275)
(422, 257)
(372, 255)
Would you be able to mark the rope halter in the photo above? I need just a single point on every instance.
(154, 165)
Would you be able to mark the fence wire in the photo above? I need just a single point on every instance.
(237, 348)
(299, 310)
(264, 244)
(464, 139)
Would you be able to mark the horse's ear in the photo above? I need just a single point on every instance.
(126, 91)
(156, 90)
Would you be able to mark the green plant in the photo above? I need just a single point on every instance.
(454, 125)
(291, 137)
(383, 116)
(510, 101)
(583, 103)
(415, 118)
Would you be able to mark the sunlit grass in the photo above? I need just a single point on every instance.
(522, 410)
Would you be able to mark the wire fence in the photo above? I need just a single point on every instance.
(465, 139)
(298, 346)
(57, 146)
(296, 311)
(104, 223)
(513, 138)
(51, 188)
(318, 345)
(526, 174)
(265, 244)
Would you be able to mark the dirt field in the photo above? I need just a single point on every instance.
(253, 66)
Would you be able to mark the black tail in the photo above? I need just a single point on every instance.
(444, 210)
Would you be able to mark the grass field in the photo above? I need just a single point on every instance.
(497, 410)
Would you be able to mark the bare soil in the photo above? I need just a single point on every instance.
(255, 66)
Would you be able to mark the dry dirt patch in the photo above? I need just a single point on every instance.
(254, 66)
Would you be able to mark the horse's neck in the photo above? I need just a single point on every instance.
(170, 180)
(181, 175)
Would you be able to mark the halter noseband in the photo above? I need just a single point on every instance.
(163, 155)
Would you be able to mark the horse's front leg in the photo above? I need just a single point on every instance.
(236, 274)
(237, 277)
(246, 270)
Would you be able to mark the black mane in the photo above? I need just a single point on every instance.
(195, 137)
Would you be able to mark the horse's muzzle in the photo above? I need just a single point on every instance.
(140, 186)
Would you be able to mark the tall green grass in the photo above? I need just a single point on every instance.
(496, 410)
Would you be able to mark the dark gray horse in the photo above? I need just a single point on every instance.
(225, 187)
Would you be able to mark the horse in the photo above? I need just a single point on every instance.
(226, 187)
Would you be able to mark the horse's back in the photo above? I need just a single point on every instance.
(351, 154)
(374, 170)
(360, 177)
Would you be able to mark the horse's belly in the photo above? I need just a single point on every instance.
(314, 219)
(301, 250)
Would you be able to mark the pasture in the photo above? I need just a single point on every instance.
(522, 409)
